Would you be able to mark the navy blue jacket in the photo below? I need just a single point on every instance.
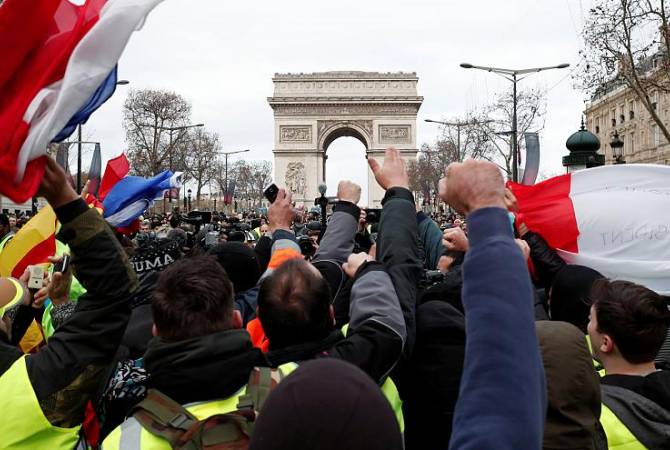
(502, 399)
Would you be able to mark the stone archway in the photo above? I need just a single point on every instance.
(312, 110)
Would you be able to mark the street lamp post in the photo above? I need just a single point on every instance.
(225, 155)
(79, 142)
(189, 200)
(458, 125)
(617, 148)
(513, 76)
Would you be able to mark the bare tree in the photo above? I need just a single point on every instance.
(250, 179)
(626, 43)
(200, 153)
(147, 116)
(494, 125)
(484, 135)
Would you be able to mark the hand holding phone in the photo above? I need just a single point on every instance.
(270, 193)
(36, 280)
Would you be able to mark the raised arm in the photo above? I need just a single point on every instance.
(77, 354)
(502, 399)
(376, 332)
(397, 241)
(338, 241)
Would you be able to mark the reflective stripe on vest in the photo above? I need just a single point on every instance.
(23, 425)
(618, 436)
(389, 390)
(132, 436)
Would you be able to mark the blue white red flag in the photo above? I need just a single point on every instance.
(131, 196)
(58, 66)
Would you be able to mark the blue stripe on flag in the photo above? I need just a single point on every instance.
(131, 196)
(100, 96)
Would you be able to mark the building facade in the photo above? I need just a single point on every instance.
(618, 109)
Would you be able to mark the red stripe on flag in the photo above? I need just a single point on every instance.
(37, 255)
(38, 63)
(546, 208)
(117, 168)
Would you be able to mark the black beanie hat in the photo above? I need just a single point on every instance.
(326, 404)
(240, 263)
(571, 295)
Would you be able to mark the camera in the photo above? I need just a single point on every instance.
(430, 278)
(307, 247)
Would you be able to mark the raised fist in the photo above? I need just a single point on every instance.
(349, 191)
(54, 186)
(455, 239)
(355, 261)
(473, 185)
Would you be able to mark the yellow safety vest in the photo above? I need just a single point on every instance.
(131, 435)
(618, 436)
(23, 425)
(389, 390)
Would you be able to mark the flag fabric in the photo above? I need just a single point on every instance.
(611, 218)
(94, 172)
(58, 66)
(33, 244)
(131, 196)
(116, 169)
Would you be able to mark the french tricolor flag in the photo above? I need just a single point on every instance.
(615, 219)
(58, 65)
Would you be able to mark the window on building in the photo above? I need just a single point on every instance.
(613, 117)
(631, 145)
(631, 109)
(654, 100)
(655, 136)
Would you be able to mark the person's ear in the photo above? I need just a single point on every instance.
(606, 344)
(237, 320)
(154, 330)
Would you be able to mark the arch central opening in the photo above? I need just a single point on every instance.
(346, 161)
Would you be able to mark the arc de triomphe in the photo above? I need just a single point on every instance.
(312, 110)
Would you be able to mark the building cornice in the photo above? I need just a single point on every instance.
(346, 75)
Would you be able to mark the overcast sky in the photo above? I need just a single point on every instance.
(221, 56)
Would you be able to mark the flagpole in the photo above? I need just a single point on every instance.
(78, 158)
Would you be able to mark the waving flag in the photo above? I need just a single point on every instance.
(58, 66)
(130, 197)
(611, 218)
(33, 244)
(116, 169)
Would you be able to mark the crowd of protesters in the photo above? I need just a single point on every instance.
(385, 329)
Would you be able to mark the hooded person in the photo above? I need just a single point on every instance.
(148, 262)
(241, 265)
(570, 295)
(573, 389)
(326, 404)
